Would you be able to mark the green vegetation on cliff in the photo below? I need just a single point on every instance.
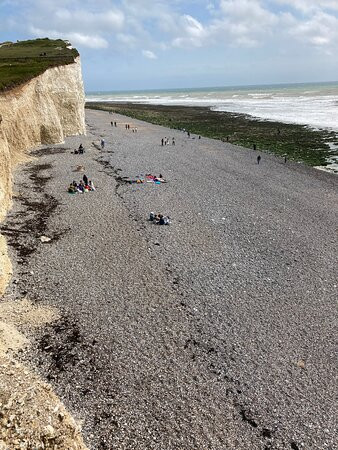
(297, 142)
(24, 60)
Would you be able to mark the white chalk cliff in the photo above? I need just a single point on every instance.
(42, 111)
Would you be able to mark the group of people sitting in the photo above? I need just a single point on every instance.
(80, 150)
(154, 179)
(159, 219)
(83, 186)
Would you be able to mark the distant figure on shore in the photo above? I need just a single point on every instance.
(81, 149)
(199, 137)
(115, 124)
(102, 143)
(111, 123)
(126, 127)
(173, 141)
(85, 179)
(188, 133)
(162, 142)
(285, 159)
(259, 159)
(254, 147)
(227, 138)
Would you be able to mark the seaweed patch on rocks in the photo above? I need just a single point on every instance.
(29, 220)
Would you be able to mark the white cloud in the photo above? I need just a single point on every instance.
(321, 30)
(193, 34)
(308, 6)
(149, 54)
(164, 25)
(247, 11)
(127, 39)
(90, 41)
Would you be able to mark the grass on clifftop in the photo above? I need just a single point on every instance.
(22, 61)
(297, 142)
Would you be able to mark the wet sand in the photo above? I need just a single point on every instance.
(218, 331)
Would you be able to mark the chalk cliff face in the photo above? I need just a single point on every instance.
(43, 111)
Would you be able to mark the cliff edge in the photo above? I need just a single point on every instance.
(41, 102)
(43, 110)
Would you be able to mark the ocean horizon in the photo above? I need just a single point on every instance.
(312, 104)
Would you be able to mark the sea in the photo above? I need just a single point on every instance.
(311, 104)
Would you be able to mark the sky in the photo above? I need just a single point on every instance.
(158, 44)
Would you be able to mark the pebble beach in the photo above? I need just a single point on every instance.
(218, 331)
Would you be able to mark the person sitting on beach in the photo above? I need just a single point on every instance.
(72, 189)
(81, 149)
(91, 185)
(159, 219)
(80, 187)
(151, 217)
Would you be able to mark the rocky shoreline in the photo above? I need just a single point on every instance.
(215, 332)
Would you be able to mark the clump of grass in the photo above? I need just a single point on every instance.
(22, 61)
(296, 142)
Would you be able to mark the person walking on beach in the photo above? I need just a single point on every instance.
(102, 144)
(85, 179)
(259, 159)
(173, 141)
(285, 159)
(115, 124)
(162, 142)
